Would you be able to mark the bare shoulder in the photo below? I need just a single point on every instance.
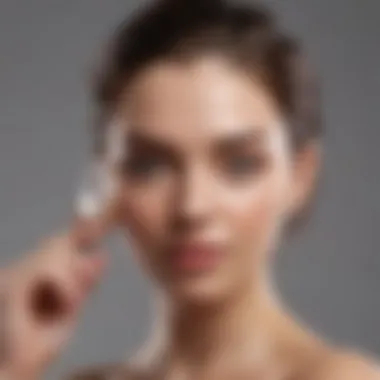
(348, 366)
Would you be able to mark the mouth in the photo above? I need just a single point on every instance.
(195, 257)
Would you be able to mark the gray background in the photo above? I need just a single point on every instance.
(329, 275)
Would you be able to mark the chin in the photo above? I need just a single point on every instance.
(200, 290)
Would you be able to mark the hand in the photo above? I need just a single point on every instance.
(40, 300)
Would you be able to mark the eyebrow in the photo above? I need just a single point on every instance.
(229, 141)
(145, 141)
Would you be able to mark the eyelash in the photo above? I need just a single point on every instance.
(142, 167)
(238, 166)
(242, 165)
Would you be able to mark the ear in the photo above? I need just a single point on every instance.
(307, 163)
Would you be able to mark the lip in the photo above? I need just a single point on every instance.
(195, 256)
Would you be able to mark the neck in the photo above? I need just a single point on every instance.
(235, 333)
(202, 334)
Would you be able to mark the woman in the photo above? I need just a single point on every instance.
(223, 140)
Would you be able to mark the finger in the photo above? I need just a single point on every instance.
(89, 269)
(55, 282)
(46, 292)
(87, 234)
(51, 298)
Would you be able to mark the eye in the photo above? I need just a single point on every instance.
(242, 164)
(144, 166)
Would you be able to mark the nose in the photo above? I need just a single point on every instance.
(195, 195)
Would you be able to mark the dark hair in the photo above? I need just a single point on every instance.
(248, 35)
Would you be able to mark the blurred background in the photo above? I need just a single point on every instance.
(330, 275)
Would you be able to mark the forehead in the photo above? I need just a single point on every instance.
(197, 100)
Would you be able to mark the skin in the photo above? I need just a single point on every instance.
(215, 167)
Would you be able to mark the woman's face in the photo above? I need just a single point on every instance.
(208, 177)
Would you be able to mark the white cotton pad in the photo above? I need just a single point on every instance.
(99, 183)
(95, 191)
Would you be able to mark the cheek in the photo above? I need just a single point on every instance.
(144, 214)
(257, 213)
